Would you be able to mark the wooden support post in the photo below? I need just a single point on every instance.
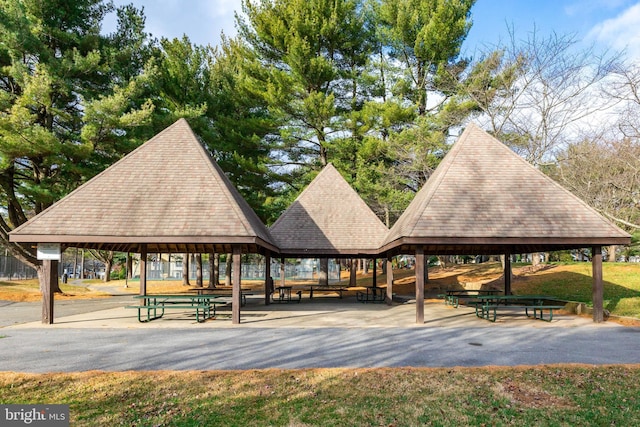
(235, 292)
(596, 261)
(50, 274)
(143, 270)
(420, 285)
(268, 280)
(323, 272)
(507, 274)
(282, 272)
(426, 270)
(389, 297)
(352, 272)
(375, 271)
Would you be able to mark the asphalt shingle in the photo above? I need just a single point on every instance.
(483, 193)
(169, 190)
(328, 218)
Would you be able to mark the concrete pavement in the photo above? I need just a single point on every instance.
(314, 333)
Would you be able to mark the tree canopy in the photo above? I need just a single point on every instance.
(377, 87)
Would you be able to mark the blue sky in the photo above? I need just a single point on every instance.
(607, 23)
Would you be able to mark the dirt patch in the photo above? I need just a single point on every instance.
(530, 396)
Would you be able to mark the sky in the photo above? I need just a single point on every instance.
(606, 23)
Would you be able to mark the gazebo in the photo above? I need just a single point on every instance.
(485, 199)
(167, 196)
(170, 196)
(328, 220)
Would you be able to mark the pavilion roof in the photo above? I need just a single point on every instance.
(485, 199)
(168, 193)
(328, 218)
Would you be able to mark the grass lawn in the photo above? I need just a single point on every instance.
(573, 282)
(29, 291)
(550, 395)
(540, 395)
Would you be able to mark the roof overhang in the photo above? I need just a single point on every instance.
(160, 244)
(328, 253)
(495, 245)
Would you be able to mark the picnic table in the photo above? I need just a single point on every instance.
(453, 297)
(372, 294)
(155, 305)
(487, 305)
(284, 294)
(325, 290)
(223, 292)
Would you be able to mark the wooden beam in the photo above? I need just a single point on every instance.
(143, 270)
(507, 274)
(389, 297)
(282, 272)
(375, 279)
(50, 274)
(268, 281)
(420, 285)
(323, 272)
(235, 293)
(598, 288)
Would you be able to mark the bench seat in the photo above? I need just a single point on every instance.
(325, 290)
(156, 311)
(484, 310)
(372, 296)
(155, 306)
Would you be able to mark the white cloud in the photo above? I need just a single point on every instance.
(582, 7)
(223, 7)
(621, 32)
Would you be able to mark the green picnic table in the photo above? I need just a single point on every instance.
(155, 305)
(453, 297)
(488, 305)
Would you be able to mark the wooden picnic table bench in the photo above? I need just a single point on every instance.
(325, 290)
(372, 294)
(155, 305)
(488, 305)
(453, 297)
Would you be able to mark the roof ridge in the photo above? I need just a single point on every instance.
(233, 196)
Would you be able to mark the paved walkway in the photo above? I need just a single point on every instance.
(102, 335)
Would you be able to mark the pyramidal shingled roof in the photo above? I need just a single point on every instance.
(483, 194)
(168, 192)
(328, 218)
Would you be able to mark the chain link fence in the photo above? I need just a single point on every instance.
(13, 269)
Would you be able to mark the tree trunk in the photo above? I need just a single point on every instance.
(107, 268)
(352, 272)
(75, 264)
(185, 270)
(82, 264)
(365, 266)
(535, 259)
(227, 270)
(198, 269)
(216, 269)
(611, 255)
(323, 276)
(129, 267)
(212, 262)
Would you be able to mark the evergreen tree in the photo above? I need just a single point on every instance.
(58, 74)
